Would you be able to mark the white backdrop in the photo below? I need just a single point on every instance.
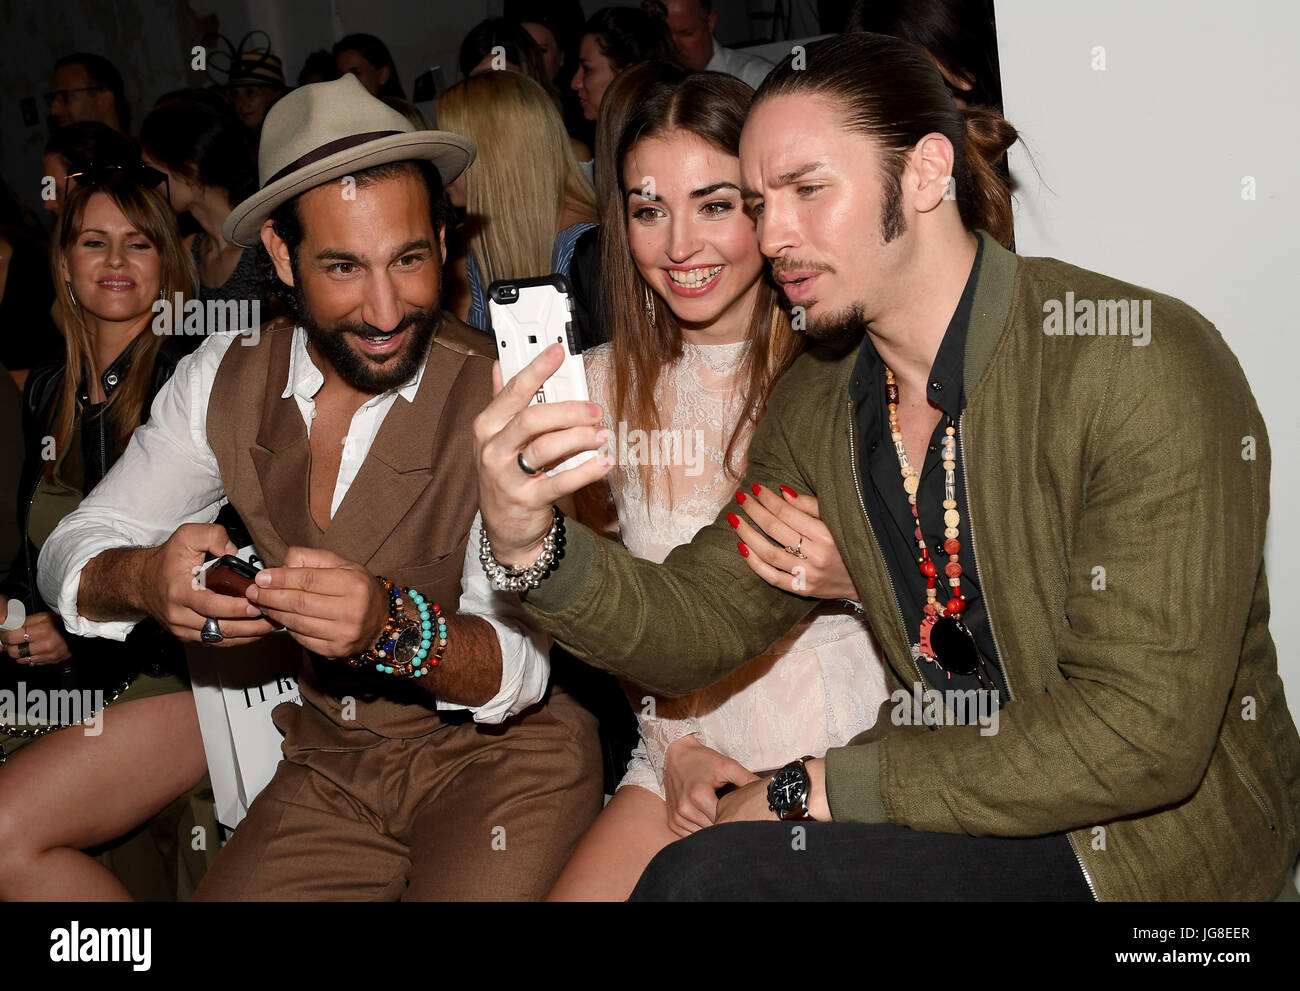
(1149, 122)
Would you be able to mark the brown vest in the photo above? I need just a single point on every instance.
(407, 516)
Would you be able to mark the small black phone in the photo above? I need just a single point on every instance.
(228, 575)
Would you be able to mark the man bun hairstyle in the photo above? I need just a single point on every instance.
(891, 92)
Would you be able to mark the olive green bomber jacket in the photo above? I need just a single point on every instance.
(1118, 495)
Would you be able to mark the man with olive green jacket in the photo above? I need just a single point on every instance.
(1089, 475)
(1145, 713)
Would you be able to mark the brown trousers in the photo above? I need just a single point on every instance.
(466, 813)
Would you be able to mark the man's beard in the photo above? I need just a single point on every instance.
(362, 372)
(842, 325)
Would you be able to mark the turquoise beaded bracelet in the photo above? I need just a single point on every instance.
(408, 647)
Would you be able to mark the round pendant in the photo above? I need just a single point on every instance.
(954, 646)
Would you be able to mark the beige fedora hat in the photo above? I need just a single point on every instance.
(326, 130)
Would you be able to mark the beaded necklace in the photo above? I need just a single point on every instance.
(944, 639)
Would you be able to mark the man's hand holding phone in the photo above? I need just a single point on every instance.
(174, 589)
(516, 506)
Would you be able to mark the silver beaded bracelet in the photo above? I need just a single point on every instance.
(508, 578)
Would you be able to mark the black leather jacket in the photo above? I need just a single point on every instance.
(95, 662)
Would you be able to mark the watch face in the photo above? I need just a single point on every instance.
(408, 643)
(788, 788)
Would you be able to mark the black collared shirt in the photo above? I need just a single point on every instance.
(889, 511)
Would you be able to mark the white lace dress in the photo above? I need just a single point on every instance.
(818, 686)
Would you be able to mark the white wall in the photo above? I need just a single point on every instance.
(1142, 165)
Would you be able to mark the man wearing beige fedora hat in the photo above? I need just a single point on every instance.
(427, 759)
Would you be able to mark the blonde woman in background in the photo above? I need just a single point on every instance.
(526, 200)
(115, 252)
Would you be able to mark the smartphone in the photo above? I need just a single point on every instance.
(228, 575)
(526, 317)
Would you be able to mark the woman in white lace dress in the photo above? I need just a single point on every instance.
(682, 383)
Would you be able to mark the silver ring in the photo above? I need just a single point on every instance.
(525, 466)
(211, 632)
(26, 636)
(24, 650)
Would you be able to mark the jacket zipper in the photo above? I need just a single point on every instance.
(1236, 766)
(1006, 675)
(103, 454)
(857, 485)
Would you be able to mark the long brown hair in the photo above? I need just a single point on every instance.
(710, 105)
(524, 176)
(149, 213)
(891, 92)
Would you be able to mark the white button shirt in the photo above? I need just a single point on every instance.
(168, 475)
(751, 68)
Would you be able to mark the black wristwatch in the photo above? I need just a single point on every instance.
(788, 791)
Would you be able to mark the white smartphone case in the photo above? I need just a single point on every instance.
(527, 316)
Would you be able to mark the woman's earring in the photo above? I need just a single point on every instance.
(649, 304)
(160, 294)
(71, 295)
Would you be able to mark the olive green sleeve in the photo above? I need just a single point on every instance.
(684, 624)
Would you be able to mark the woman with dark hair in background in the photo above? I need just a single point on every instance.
(555, 25)
(958, 35)
(64, 788)
(204, 152)
(612, 39)
(478, 54)
(698, 342)
(367, 58)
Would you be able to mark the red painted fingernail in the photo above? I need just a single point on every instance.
(756, 488)
(790, 492)
(743, 549)
(740, 498)
(733, 519)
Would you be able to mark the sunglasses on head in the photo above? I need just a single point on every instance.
(139, 175)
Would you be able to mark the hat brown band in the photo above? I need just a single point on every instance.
(325, 150)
